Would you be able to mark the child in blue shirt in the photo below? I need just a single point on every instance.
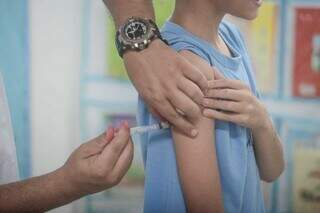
(220, 169)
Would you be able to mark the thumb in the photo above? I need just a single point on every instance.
(217, 75)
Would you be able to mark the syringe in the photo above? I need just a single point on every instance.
(152, 127)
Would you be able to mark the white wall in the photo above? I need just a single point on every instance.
(55, 45)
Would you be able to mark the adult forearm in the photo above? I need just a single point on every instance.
(122, 9)
(268, 151)
(37, 194)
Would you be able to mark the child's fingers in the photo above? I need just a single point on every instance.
(228, 94)
(124, 161)
(227, 83)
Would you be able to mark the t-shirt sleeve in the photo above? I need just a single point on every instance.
(180, 43)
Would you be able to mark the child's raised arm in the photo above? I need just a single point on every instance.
(196, 158)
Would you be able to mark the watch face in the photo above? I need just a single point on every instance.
(135, 30)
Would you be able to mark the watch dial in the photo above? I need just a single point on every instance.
(135, 30)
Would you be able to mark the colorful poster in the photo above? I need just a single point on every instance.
(115, 66)
(300, 190)
(306, 58)
(306, 179)
(262, 47)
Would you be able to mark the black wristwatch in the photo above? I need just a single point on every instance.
(136, 34)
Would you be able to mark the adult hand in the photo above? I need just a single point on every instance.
(169, 84)
(100, 163)
(233, 101)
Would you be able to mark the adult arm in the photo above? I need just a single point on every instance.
(95, 166)
(160, 73)
(197, 161)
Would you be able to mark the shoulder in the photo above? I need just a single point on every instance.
(181, 39)
(198, 63)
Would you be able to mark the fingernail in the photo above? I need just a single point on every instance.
(194, 133)
(108, 129)
(126, 124)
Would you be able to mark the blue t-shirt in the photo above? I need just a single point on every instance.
(237, 165)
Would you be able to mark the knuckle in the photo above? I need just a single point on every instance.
(174, 116)
(224, 81)
(213, 103)
(226, 91)
(228, 105)
(246, 119)
(195, 94)
(180, 64)
(157, 98)
(209, 93)
(249, 107)
(100, 174)
(249, 97)
(197, 75)
(194, 111)
(173, 74)
(147, 93)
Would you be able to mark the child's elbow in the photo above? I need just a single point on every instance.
(273, 176)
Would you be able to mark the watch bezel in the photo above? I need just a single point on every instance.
(136, 43)
(124, 43)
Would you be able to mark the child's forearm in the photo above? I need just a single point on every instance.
(268, 151)
(198, 169)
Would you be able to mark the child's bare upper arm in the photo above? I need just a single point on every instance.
(196, 157)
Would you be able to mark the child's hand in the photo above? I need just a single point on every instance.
(232, 100)
(100, 163)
